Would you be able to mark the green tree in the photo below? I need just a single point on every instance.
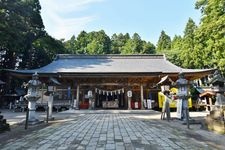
(164, 42)
(133, 46)
(209, 37)
(176, 43)
(45, 50)
(11, 32)
(71, 45)
(89, 43)
(82, 42)
(118, 41)
(34, 30)
(128, 48)
(148, 48)
(20, 26)
(188, 45)
(137, 43)
(174, 54)
(101, 39)
(95, 47)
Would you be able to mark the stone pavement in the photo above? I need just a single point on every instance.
(109, 131)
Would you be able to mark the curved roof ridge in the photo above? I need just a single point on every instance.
(173, 65)
(109, 56)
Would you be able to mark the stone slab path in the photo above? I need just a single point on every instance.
(107, 131)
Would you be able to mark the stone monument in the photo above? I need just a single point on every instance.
(32, 96)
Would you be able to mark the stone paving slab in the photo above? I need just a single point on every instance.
(107, 131)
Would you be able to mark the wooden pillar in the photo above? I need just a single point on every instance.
(77, 97)
(121, 98)
(142, 97)
(98, 96)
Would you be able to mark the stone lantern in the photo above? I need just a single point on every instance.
(182, 104)
(216, 119)
(218, 87)
(32, 96)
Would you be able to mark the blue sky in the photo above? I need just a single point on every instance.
(64, 18)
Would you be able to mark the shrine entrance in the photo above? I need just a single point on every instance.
(110, 99)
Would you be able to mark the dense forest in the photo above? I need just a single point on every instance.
(24, 43)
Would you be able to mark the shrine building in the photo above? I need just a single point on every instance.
(108, 78)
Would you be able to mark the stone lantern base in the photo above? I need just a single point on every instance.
(4, 126)
(215, 121)
(32, 116)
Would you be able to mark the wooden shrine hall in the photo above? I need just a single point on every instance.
(108, 78)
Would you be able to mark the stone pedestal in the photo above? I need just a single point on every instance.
(184, 109)
(215, 121)
(3, 125)
(32, 109)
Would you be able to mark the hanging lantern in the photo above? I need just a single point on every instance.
(111, 93)
(122, 90)
(96, 90)
(107, 93)
(129, 93)
(118, 91)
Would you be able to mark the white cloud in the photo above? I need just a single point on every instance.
(59, 20)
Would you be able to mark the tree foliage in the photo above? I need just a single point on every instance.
(21, 27)
(176, 43)
(100, 43)
(118, 41)
(202, 46)
(164, 42)
(210, 35)
(45, 49)
(187, 47)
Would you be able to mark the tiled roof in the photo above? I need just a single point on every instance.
(65, 63)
